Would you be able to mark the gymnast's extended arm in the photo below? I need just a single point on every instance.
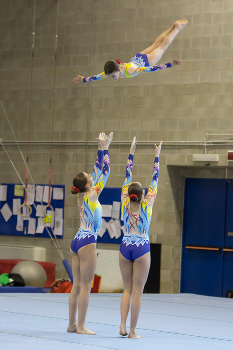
(152, 191)
(99, 159)
(106, 166)
(129, 169)
(80, 79)
(132, 70)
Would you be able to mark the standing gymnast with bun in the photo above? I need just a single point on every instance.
(83, 247)
(134, 256)
(143, 62)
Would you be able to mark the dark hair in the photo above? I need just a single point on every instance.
(80, 182)
(135, 189)
(110, 67)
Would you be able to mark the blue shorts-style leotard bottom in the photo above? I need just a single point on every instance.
(132, 251)
(140, 59)
(82, 238)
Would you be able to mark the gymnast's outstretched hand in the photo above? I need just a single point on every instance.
(107, 140)
(101, 140)
(158, 149)
(79, 79)
(176, 62)
(133, 145)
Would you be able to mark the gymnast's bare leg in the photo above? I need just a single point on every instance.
(83, 269)
(134, 275)
(157, 49)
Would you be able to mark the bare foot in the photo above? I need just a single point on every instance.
(181, 23)
(72, 329)
(134, 336)
(124, 332)
(85, 330)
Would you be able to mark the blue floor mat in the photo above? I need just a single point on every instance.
(174, 322)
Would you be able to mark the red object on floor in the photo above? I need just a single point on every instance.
(61, 286)
(96, 284)
(6, 265)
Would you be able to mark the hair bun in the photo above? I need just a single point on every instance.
(75, 189)
(133, 197)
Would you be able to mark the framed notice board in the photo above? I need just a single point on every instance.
(12, 197)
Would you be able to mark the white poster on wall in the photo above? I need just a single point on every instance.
(58, 193)
(39, 193)
(19, 225)
(6, 212)
(16, 205)
(30, 194)
(3, 193)
(31, 226)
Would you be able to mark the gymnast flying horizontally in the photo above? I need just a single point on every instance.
(83, 246)
(143, 62)
(134, 256)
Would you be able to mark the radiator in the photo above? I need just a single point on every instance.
(22, 252)
(109, 270)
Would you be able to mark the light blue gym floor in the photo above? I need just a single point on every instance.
(174, 322)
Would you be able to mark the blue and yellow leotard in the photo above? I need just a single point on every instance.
(91, 211)
(137, 65)
(135, 242)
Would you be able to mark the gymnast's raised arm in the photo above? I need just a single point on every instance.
(152, 191)
(99, 159)
(129, 169)
(97, 189)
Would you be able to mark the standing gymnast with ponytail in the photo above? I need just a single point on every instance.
(134, 256)
(83, 246)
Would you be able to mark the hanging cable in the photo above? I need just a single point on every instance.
(48, 218)
(54, 239)
(65, 262)
(88, 119)
(21, 180)
(25, 209)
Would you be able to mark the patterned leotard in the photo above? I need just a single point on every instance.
(137, 65)
(135, 242)
(91, 211)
